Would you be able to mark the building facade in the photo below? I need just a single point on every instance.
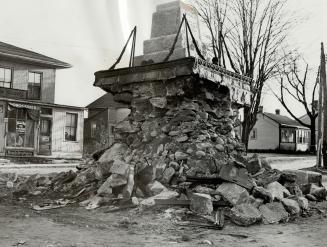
(30, 122)
(99, 128)
(274, 132)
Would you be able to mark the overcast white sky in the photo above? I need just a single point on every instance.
(89, 34)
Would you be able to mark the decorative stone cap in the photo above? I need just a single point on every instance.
(238, 85)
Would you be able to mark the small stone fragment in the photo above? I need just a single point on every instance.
(168, 175)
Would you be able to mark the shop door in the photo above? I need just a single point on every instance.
(45, 137)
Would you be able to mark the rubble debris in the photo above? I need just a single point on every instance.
(273, 212)
(291, 206)
(277, 190)
(201, 203)
(236, 173)
(319, 193)
(260, 192)
(233, 193)
(245, 214)
(254, 164)
(305, 177)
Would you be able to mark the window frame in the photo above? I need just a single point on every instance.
(293, 132)
(4, 79)
(34, 85)
(76, 128)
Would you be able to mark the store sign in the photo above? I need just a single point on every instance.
(20, 126)
(13, 93)
(238, 85)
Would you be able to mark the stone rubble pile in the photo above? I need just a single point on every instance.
(179, 144)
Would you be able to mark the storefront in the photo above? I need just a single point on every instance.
(29, 129)
(21, 123)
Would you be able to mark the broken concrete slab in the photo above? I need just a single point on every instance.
(273, 213)
(105, 189)
(318, 192)
(233, 193)
(116, 152)
(277, 191)
(291, 206)
(117, 180)
(148, 202)
(201, 203)
(245, 215)
(262, 193)
(233, 173)
(254, 164)
(119, 167)
(305, 177)
(154, 188)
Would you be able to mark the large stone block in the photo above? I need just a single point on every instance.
(277, 190)
(273, 213)
(305, 177)
(163, 43)
(245, 215)
(233, 193)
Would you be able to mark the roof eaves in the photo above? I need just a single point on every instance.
(56, 64)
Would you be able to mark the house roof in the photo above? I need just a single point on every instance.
(104, 102)
(284, 120)
(13, 52)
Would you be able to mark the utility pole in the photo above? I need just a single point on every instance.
(323, 82)
(319, 137)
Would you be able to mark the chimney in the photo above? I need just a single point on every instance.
(260, 109)
(277, 111)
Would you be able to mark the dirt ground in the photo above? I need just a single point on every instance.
(74, 226)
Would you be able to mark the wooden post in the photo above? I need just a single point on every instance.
(319, 136)
(323, 82)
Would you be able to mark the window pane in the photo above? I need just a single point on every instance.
(2, 74)
(31, 77)
(6, 84)
(11, 125)
(7, 75)
(37, 78)
(68, 120)
(71, 127)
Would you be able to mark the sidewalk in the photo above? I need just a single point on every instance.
(28, 169)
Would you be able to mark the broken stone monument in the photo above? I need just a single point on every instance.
(178, 145)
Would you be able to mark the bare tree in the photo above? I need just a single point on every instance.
(294, 86)
(251, 39)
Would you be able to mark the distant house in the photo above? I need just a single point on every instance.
(31, 124)
(103, 115)
(274, 132)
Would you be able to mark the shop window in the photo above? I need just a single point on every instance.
(288, 135)
(5, 77)
(34, 85)
(71, 127)
(20, 129)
